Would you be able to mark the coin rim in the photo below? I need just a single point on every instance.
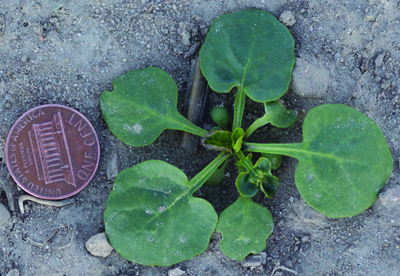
(9, 137)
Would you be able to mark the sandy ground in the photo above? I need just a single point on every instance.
(69, 51)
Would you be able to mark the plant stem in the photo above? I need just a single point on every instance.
(188, 126)
(240, 101)
(248, 165)
(292, 150)
(197, 181)
(255, 125)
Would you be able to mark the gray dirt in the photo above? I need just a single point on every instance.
(70, 51)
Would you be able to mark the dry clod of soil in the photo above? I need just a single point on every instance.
(4, 214)
(309, 79)
(98, 245)
(287, 18)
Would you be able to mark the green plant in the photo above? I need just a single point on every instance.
(152, 217)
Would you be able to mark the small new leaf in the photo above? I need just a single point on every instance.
(237, 139)
(268, 182)
(218, 140)
(275, 114)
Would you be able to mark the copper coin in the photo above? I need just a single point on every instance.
(52, 151)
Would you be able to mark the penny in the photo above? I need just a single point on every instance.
(52, 151)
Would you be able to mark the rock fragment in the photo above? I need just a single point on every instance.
(287, 18)
(391, 195)
(4, 214)
(112, 166)
(256, 260)
(185, 37)
(379, 60)
(176, 272)
(13, 272)
(98, 245)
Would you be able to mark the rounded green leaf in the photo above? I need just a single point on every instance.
(142, 105)
(246, 184)
(220, 115)
(344, 160)
(152, 218)
(245, 227)
(250, 49)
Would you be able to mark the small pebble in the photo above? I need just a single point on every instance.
(185, 36)
(112, 166)
(176, 272)
(255, 260)
(98, 245)
(24, 58)
(305, 239)
(288, 263)
(379, 60)
(390, 195)
(13, 272)
(287, 18)
(4, 214)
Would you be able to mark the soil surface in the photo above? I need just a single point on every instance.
(70, 51)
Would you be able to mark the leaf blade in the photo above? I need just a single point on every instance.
(344, 160)
(249, 49)
(164, 224)
(245, 227)
(356, 157)
(142, 105)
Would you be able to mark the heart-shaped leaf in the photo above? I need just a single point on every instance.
(245, 227)
(344, 160)
(249, 49)
(142, 105)
(152, 218)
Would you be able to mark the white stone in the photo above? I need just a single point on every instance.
(287, 18)
(254, 261)
(309, 79)
(4, 214)
(391, 195)
(98, 245)
(176, 272)
(13, 272)
(185, 36)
